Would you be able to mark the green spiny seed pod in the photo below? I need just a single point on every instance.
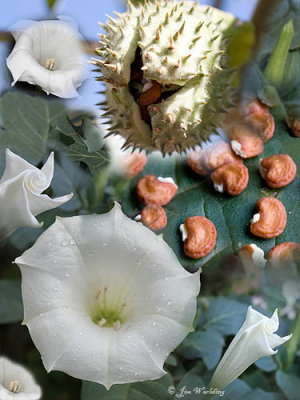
(164, 64)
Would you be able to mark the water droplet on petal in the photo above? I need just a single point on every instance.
(72, 242)
(169, 303)
(64, 243)
(67, 275)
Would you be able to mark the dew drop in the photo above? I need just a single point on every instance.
(101, 223)
(54, 261)
(72, 242)
(80, 333)
(64, 243)
(55, 289)
(153, 324)
(156, 344)
(121, 368)
(62, 325)
(136, 374)
(67, 275)
(104, 244)
(94, 353)
(169, 303)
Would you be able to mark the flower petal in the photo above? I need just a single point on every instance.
(48, 168)
(41, 202)
(14, 207)
(15, 165)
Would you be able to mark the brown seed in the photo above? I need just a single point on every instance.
(151, 190)
(195, 161)
(245, 142)
(258, 115)
(154, 217)
(252, 255)
(231, 178)
(270, 220)
(294, 124)
(201, 237)
(283, 252)
(218, 154)
(202, 161)
(135, 163)
(278, 170)
(151, 95)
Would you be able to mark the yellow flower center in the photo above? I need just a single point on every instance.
(50, 64)
(108, 313)
(14, 386)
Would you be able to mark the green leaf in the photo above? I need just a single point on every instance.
(26, 122)
(11, 306)
(149, 390)
(79, 152)
(266, 364)
(230, 215)
(224, 316)
(190, 387)
(262, 395)
(275, 69)
(236, 390)
(289, 384)
(92, 136)
(205, 345)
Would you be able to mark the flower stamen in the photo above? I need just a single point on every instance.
(50, 64)
(102, 322)
(14, 386)
(116, 325)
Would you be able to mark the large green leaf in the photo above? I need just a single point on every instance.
(11, 306)
(26, 122)
(231, 215)
(149, 390)
(205, 345)
(289, 384)
(224, 316)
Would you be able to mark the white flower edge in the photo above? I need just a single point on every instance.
(137, 267)
(255, 339)
(16, 382)
(21, 197)
(61, 51)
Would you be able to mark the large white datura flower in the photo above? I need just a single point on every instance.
(16, 382)
(48, 54)
(105, 299)
(21, 197)
(255, 339)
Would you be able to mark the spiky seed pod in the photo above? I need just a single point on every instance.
(181, 46)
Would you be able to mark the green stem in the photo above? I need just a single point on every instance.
(275, 68)
(291, 345)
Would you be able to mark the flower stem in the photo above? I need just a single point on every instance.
(292, 344)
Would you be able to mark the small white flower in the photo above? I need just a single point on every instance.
(255, 339)
(20, 193)
(16, 382)
(48, 54)
(108, 300)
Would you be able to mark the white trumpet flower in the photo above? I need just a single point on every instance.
(16, 382)
(21, 197)
(255, 339)
(105, 299)
(48, 54)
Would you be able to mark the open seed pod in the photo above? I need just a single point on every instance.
(167, 73)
